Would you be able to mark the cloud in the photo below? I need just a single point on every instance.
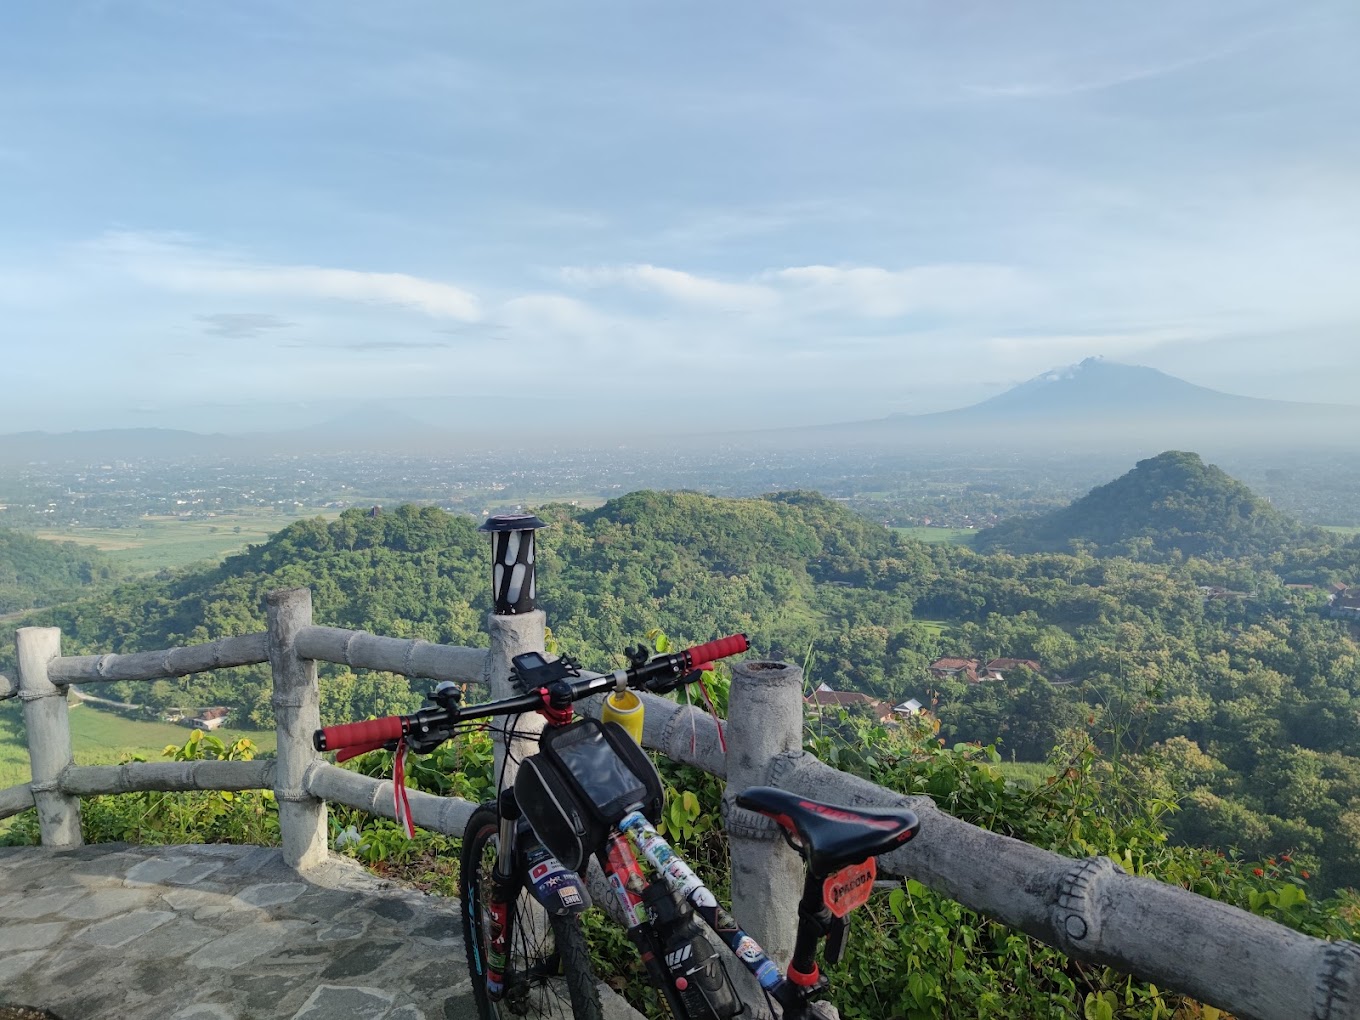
(877, 293)
(1059, 348)
(541, 315)
(675, 284)
(1107, 73)
(241, 325)
(869, 292)
(710, 229)
(172, 262)
(370, 346)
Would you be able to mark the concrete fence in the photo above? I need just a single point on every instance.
(1090, 909)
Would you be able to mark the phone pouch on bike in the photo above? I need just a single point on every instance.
(585, 778)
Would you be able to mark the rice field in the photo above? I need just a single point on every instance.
(105, 738)
(155, 543)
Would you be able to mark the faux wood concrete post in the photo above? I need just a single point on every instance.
(765, 719)
(510, 636)
(47, 720)
(516, 625)
(297, 715)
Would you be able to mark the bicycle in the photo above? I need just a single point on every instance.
(592, 793)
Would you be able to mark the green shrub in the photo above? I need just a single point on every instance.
(154, 817)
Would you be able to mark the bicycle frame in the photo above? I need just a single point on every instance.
(681, 879)
(635, 836)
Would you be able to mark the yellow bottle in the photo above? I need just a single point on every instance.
(624, 708)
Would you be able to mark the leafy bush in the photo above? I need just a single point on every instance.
(154, 817)
(918, 955)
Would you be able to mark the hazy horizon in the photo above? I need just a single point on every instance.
(249, 217)
(1096, 405)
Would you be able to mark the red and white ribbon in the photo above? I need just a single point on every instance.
(400, 801)
(713, 711)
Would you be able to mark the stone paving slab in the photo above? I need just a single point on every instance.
(118, 932)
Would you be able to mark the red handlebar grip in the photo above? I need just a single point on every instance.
(720, 649)
(370, 731)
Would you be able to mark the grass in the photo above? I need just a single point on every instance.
(1029, 774)
(160, 542)
(937, 626)
(953, 536)
(104, 738)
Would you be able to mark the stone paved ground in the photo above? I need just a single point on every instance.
(118, 932)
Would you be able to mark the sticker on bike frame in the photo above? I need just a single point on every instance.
(498, 939)
(680, 877)
(559, 890)
(628, 881)
(850, 887)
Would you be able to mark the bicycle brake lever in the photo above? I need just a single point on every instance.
(425, 743)
(666, 684)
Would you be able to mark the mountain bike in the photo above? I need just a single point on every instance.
(590, 792)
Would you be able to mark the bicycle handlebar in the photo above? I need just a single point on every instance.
(702, 654)
(355, 738)
(371, 731)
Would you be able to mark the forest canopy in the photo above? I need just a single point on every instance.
(1229, 670)
(38, 573)
(1169, 505)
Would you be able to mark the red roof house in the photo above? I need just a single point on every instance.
(821, 699)
(966, 669)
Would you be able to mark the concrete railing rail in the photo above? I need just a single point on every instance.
(1090, 909)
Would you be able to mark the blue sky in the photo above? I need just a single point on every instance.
(232, 215)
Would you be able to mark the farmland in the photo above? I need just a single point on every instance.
(160, 542)
(104, 738)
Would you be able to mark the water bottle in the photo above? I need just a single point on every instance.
(624, 708)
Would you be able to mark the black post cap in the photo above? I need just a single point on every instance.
(512, 522)
(513, 581)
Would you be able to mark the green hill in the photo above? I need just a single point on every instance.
(1172, 503)
(38, 573)
(680, 561)
(1259, 691)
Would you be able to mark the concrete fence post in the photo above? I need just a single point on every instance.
(516, 625)
(297, 715)
(765, 720)
(48, 723)
(510, 636)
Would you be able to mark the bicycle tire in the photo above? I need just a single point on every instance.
(538, 970)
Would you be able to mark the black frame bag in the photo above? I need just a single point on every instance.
(583, 780)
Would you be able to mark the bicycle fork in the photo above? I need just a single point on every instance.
(504, 889)
(523, 864)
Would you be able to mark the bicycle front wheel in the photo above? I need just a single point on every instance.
(547, 972)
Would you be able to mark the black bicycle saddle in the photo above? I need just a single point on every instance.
(832, 836)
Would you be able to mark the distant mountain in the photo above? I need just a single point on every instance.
(1096, 406)
(110, 445)
(1105, 404)
(367, 428)
(1171, 503)
(1100, 390)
